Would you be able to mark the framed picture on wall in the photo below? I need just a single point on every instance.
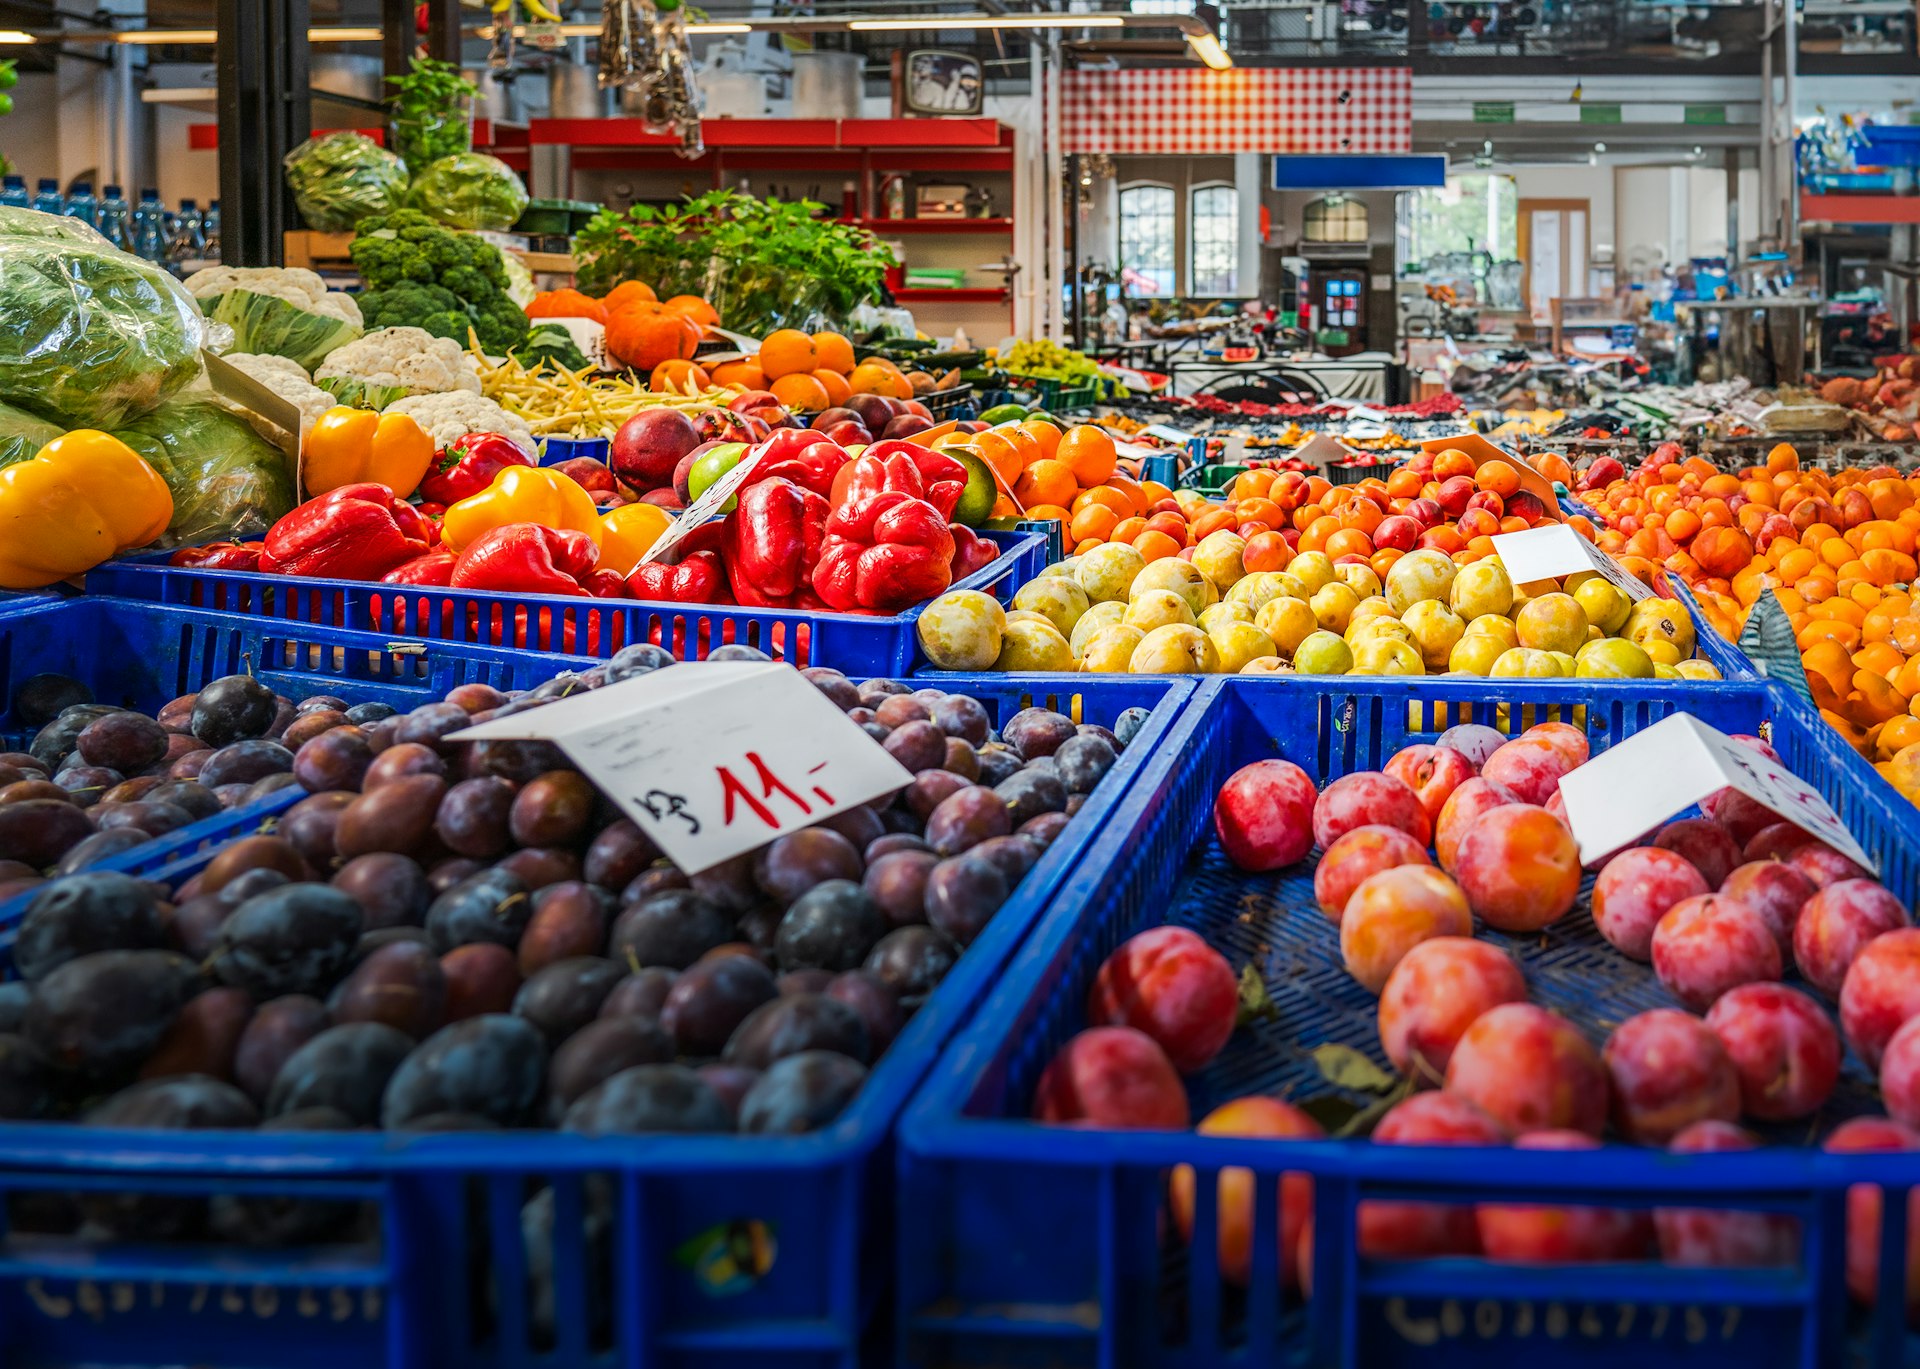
(929, 84)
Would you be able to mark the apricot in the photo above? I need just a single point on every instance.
(1392, 912)
(1267, 1118)
(1438, 990)
(1464, 807)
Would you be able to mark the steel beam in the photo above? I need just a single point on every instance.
(262, 69)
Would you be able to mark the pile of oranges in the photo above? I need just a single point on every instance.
(1837, 550)
(1071, 476)
(807, 372)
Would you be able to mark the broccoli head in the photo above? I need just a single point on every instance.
(500, 323)
(420, 274)
(550, 342)
(410, 305)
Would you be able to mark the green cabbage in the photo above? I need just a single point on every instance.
(277, 327)
(91, 336)
(22, 435)
(470, 190)
(362, 394)
(341, 178)
(228, 483)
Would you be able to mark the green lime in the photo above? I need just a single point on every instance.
(1004, 413)
(981, 492)
(9, 76)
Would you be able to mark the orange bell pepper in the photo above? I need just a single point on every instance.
(522, 494)
(360, 447)
(627, 532)
(83, 499)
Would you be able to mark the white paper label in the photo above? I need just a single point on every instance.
(1628, 790)
(1167, 434)
(1323, 450)
(1554, 550)
(713, 759)
(706, 506)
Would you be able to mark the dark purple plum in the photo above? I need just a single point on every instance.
(729, 1082)
(1014, 855)
(429, 724)
(102, 1014)
(127, 742)
(966, 818)
(204, 1038)
(252, 853)
(473, 816)
(540, 866)
(614, 857)
(1082, 762)
(672, 929)
(879, 1006)
(912, 961)
(649, 1098)
(641, 994)
(802, 860)
(401, 986)
(917, 745)
(553, 809)
(803, 1022)
(801, 1093)
(962, 718)
(930, 789)
(834, 685)
(399, 761)
(873, 693)
(40, 831)
(337, 759)
(491, 1066)
(491, 906)
(898, 884)
(892, 842)
(1037, 732)
(858, 825)
(569, 919)
(191, 795)
(963, 894)
(710, 1000)
(390, 888)
(275, 1031)
(481, 978)
(997, 763)
(345, 1068)
(97, 911)
(312, 825)
(1030, 793)
(602, 1049)
(563, 997)
(294, 939)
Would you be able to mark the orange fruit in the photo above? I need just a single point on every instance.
(1046, 482)
(1045, 434)
(1001, 456)
(677, 376)
(1088, 453)
(1024, 443)
(746, 374)
(877, 378)
(800, 392)
(1155, 546)
(833, 352)
(1095, 520)
(1049, 512)
(1132, 489)
(1106, 497)
(696, 309)
(625, 293)
(1131, 528)
(786, 352)
(835, 384)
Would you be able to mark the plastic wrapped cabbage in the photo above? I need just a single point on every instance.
(278, 311)
(339, 179)
(470, 190)
(89, 336)
(22, 435)
(227, 482)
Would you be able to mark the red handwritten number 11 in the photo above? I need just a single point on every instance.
(732, 788)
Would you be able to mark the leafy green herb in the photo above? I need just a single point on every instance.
(429, 111)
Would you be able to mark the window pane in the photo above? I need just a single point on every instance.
(1146, 239)
(1216, 241)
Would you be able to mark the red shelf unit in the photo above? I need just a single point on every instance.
(1860, 208)
(986, 296)
(889, 227)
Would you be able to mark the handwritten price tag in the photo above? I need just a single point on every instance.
(1555, 550)
(713, 760)
(1627, 790)
(706, 506)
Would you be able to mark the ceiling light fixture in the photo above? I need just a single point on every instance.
(14, 37)
(934, 22)
(147, 38)
(1209, 50)
(369, 34)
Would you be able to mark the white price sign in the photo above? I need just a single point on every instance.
(713, 760)
(1626, 791)
(706, 506)
(1554, 550)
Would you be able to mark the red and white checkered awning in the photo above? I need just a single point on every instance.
(1196, 111)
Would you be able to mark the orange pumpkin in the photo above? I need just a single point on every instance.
(567, 304)
(644, 334)
(625, 293)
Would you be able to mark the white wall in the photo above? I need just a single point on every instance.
(1590, 183)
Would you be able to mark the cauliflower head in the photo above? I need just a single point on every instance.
(296, 285)
(449, 417)
(397, 363)
(288, 380)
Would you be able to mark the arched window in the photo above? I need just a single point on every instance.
(1335, 218)
(1215, 237)
(1146, 239)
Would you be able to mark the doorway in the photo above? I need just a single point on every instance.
(1554, 245)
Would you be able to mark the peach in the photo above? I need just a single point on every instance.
(1634, 891)
(1405, 1231)
(1565, 738)
(1170, 984)
(1432, 772)
(1783, 1047)
(1530, 767)
(1776, 891)
(1530, 1070)
(1463, 808)
(1353, 858)
(1702, 1237)
(1394, 911)
(1709, 944)
(1438, 990)
(1881, 990)
(1368, 798)
(1254, 1116)
(1823, 865)
(1705, 844)
(1530, 1234)
(1668, 1071)
(1264, 815)
(1835, 924)
(1900, 1073)
(1519, 867)
(1112, 1077)
(1775, 841)
(1863, 1209)
(1475, 741)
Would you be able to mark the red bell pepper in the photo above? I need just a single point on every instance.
(355, 532)
(903, 468)
(885, 553)
(772, 541)
(605, 584)
(700, 578)
(809, 459)
(219, 556)
(468, 466)
(526, 558)
(435, 568)
(971, 551)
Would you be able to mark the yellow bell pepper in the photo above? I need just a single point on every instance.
(83, 499)
(358, 446)
(626, 534)
(521, 494)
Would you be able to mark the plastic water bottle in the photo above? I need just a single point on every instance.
(114, 213)
(49, 200)
(13, 191)
(187, 243)
(82, 206)
(211, 225)
(149, 227)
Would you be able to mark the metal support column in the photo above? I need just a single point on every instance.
(399, 36)
(443, 30)
(261, 61)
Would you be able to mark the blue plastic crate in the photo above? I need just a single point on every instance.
(1054, 1245)
(445, 1278)
(1727, 657)
(142, 655)
(855, 643)
(554, 450)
